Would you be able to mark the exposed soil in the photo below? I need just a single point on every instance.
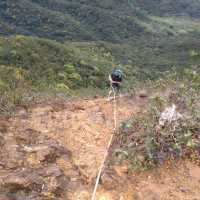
(54, 152)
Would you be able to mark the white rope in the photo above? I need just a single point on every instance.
(115, 111)
(108, 147)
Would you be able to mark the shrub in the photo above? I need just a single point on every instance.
(147, 144)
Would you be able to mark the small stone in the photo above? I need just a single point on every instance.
(143, 94)
(23, 179)
(74, 179)
(42, 155)
(109, 181)
(184, 190)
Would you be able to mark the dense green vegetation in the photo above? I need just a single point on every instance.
(171, 7)
(30, 65)
(106, 20)
(62, 46)
(51, 61)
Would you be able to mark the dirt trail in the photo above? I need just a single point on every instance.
(84, 127)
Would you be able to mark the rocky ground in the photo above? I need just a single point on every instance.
(53, 152)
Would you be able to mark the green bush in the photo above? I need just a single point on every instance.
(146, 143)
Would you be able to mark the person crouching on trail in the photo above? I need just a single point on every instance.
(115, 79)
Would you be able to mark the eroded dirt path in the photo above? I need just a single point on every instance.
(36, 163)
(84, 127)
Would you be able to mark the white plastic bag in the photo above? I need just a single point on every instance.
(169, 115)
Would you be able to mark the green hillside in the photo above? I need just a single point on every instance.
(171, 7)
(46, 59)
(106, 20)
(65, 20)
(62, 46)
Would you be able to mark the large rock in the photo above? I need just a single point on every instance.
(54, 180)
(42, 152)
(21, 180)
(36, 155)
(48, 151)
(49, 181)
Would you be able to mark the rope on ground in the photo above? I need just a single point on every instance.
(108, 147)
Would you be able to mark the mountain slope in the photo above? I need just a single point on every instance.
(172, 7)
(107, 20)
(73, 23)
(144, 38)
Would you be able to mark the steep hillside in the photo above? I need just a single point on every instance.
(54, 61)
(53, 52)
(66, 20)
(93, 20)
(53, 151)
(171, 7)
(64, 45)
